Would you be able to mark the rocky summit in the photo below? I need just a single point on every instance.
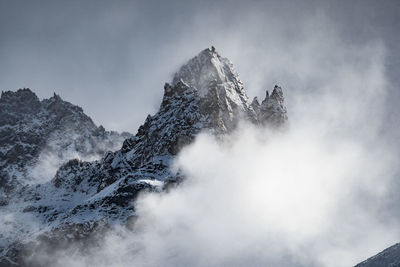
(205, 94)
(31, 130)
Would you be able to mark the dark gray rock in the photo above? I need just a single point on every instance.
(205, 95)
(28, 127)
(390, 257)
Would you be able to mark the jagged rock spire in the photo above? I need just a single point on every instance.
(255, 104)
(277, 93)
(208, 69)
(273, 109)
(206, 94)
(219, 85)
(56, 97)
(221, 92)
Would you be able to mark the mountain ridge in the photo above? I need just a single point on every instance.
(87, 196)
(389, 257)
(31, 128)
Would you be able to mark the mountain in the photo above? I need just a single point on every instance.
(390, 257)
(52, 129)
(205, 95)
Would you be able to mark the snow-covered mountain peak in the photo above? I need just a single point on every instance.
(221, 93)
(206, 95)
(207, 70)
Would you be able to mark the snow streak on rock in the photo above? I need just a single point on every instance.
(206, 94)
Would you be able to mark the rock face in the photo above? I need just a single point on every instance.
(272, 110)
(390, 257)
(206, 94)
(31, 129)
(219, 88)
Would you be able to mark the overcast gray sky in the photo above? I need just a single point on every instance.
(338, 63)
(113, 57)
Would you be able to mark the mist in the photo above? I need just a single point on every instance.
(321, 192)
(315, 194)
(51, 158)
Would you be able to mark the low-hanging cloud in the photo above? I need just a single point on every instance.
(59, 150)
(314, 194)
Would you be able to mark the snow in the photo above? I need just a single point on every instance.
(206, 94)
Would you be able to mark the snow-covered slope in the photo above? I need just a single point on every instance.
(206, 94)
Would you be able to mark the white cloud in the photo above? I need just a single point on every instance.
(309, 196)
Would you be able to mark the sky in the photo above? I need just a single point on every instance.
(325, 189)
(113, 57)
